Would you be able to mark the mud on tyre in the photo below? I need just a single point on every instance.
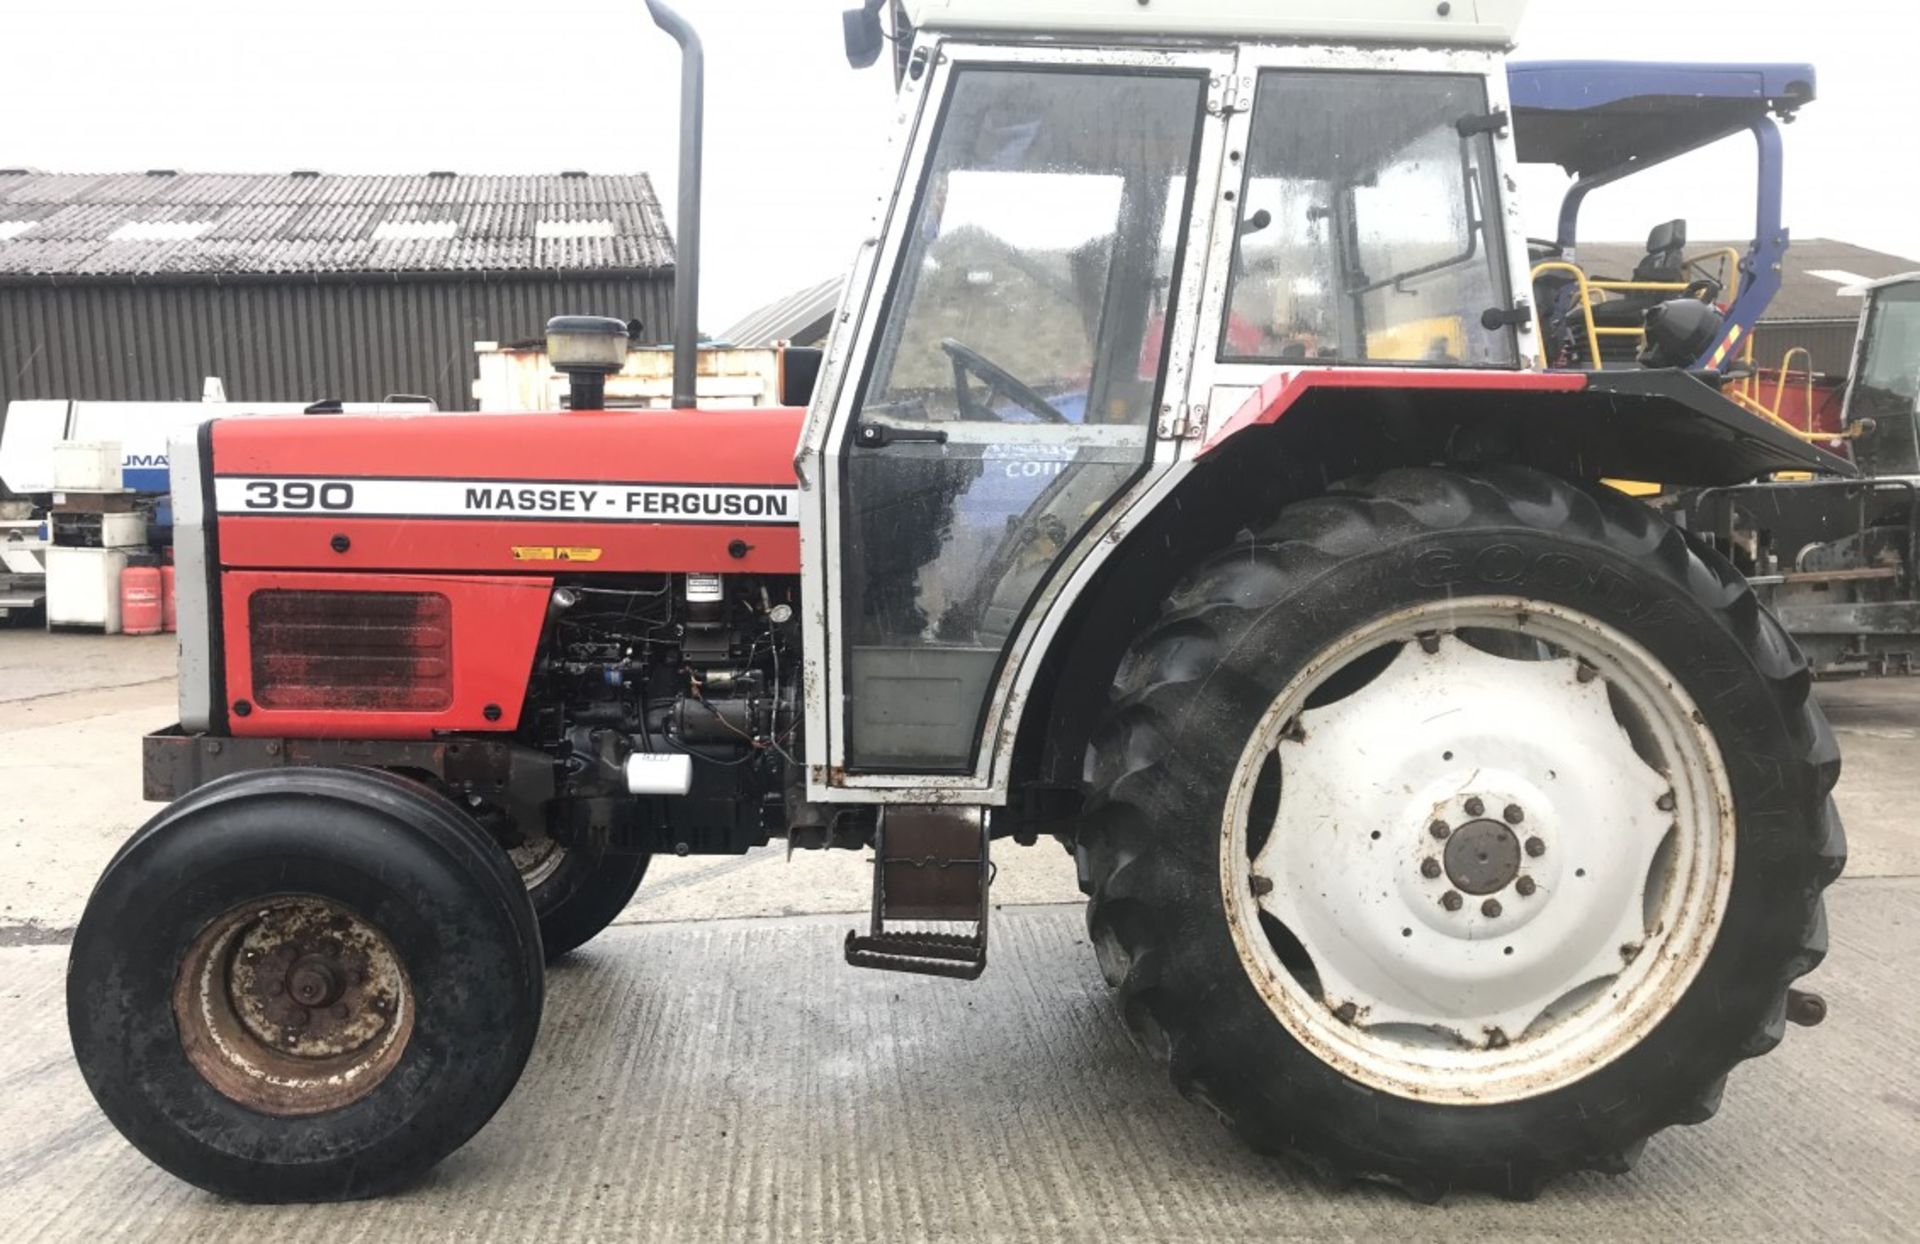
(1460, 829)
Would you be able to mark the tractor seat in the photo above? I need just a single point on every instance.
(1664, 262)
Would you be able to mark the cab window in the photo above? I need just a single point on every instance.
(1365, 232)
(1011, 395)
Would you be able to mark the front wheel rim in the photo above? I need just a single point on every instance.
(1477, 849)
(293, 1005)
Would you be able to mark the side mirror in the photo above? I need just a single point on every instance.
(864, 37)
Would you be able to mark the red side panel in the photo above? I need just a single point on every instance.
(1274, 398)
(610, 491)
(437, 544)
(389, 656)
(753, 446)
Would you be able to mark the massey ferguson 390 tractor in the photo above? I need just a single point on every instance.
(1182, 482)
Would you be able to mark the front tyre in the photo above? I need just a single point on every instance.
(304, 984)
(1461, 829)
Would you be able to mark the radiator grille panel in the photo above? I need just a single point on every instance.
(364, 651)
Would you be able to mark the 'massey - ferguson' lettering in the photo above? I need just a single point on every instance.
(532, 500)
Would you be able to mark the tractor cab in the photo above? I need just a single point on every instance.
(1882, 414)
(1034, 342)
(1605, 121)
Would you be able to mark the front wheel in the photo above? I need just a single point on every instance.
(304, 984)
(1460, 830)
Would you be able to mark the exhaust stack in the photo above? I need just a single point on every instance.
(686, 267)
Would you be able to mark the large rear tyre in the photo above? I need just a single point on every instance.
(304, 984)
(1459, 830)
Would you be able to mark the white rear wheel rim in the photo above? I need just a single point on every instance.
(1585, 862)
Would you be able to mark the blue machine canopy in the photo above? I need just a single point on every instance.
(1592, 116)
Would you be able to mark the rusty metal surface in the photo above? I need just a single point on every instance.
(293, 1006)
(930, 865)
(173, 763)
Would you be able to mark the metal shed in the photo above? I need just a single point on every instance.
(305, 286)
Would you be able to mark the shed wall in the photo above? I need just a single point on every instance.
(290, 341)
(1829, 341)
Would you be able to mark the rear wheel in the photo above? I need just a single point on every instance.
(576, 891)
(1459, 830)
(304, 984)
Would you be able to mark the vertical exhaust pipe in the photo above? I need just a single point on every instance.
(686, 266)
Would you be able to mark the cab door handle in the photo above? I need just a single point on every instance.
(877, 435)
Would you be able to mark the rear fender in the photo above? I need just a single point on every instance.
(1667, 426)
(1305, 430)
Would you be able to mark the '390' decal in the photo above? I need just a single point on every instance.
(297, 494)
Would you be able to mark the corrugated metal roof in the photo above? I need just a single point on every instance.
(1804, 294)
(325, 223)
(801, 318)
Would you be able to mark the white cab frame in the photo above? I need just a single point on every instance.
(1198, 388)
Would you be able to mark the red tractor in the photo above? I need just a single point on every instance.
(1182, 482)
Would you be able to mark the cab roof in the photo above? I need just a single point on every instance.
(1354, 21)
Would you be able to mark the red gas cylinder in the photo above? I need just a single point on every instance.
(140, 609)
(166, 597)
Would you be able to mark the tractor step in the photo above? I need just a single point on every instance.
(930, 866)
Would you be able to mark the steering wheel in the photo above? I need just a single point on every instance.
(999, 380)
(1706, 290)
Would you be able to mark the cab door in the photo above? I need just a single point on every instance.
(1004, 397)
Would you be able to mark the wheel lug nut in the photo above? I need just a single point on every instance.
(1439, 829)
(1475, 807)
(1451, 900)
(1536, 848)
(1525, 886)
(1429, 868)
(340, 1010)
(1490, 908)
(1665, 803)
(1514, 814)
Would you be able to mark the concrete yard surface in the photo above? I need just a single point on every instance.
(735, 1081)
